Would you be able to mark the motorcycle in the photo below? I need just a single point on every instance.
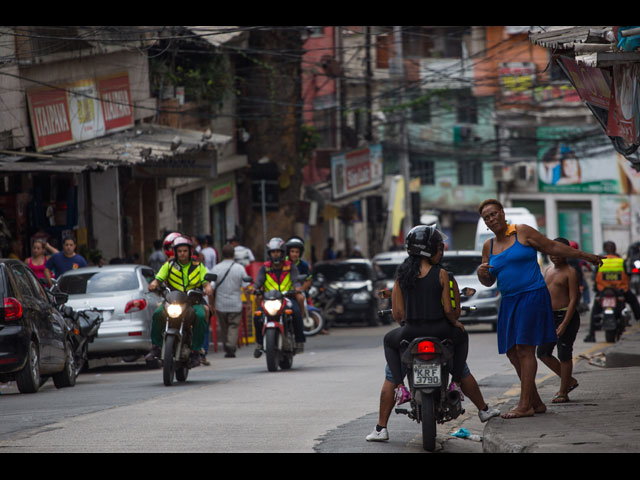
(328, 302)
(634, 281)
(177, 336)
(429, 361)
(614, 314)
(83, 324)
(312, 318)
(278, 338)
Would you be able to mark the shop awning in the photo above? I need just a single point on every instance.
(161, 149)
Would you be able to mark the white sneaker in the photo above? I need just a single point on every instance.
(378, 436)
(486, 415)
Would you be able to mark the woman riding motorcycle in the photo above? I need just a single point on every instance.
(427, 300)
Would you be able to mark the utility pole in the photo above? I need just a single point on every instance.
(400, 82)
(369, 76)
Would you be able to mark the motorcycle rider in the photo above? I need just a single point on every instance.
(167, 244)
(279, 274)
(423, 297)
(612, 274)
(294, 248)
(181, 273)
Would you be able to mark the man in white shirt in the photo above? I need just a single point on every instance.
(243, 255)
(208, 254)
(228, 298)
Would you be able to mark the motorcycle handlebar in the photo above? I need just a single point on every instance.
(468, 308)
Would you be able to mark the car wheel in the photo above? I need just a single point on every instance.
(67, 377)
(28, 379)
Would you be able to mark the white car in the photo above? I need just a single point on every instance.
(121, 293)
(464, 265)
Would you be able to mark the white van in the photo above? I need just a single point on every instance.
(514, 216)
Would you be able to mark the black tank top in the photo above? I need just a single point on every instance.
(423, 303)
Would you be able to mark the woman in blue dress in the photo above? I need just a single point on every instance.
(525, 318)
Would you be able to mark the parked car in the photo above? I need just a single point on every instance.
(346, 290)
(34, 336)
(464, 265)
(121, 293)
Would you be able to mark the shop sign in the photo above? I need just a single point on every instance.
(590, 83)
(79, 111)
(222, 192)
(356, 171)
(624, 111)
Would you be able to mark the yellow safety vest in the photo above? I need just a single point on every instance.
(176, 278)
(281, 283)
(611, 274)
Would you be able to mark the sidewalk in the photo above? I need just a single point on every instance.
(602, 416)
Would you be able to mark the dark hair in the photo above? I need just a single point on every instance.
(157, 244)
(408, 272)
(562, 240)
(490, 201)
(228, 251)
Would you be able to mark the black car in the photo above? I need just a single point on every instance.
(34, 336)
(345, 290)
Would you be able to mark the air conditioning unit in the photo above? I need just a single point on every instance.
(523, 172)
(502, 172)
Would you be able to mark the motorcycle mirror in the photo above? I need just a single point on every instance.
(211, 277)
(468, 291)
(61, 298)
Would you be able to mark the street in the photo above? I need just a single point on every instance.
(327, 403)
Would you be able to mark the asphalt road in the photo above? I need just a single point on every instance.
(326, 403)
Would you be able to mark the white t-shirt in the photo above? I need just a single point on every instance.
(243, 255)
(210, 258)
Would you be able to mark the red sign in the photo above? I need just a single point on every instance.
(624, 114)
(50, 117)
(589, 82)
(115, 98)
(358, 169)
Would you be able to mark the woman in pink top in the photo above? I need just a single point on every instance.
(38, 258)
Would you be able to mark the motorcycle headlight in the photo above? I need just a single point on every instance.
(272, 306)
(174, 310)
(361, 297)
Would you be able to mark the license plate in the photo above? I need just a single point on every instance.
(609, 302)
(426, 374)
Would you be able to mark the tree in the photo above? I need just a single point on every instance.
(270, 110)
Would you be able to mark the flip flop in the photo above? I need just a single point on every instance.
(573, 387)
(513, 414)
(560, 398)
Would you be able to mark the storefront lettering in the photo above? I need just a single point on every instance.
(51, 119)
(116, 105)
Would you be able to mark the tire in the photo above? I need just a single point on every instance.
(168, 364)
(318, 324)
(428, 421)
(286, 361)
(67, 377)
(28, 379)
(182, 372)
(273, 354)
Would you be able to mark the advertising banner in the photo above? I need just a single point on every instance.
(79, 111)
(356, 171)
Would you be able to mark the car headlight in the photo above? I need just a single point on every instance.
(272, 306)
(491, 293)
(174, 310)
(361, 297)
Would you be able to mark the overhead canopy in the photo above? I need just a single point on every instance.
(146, 145)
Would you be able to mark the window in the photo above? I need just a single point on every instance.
(22, 282)
(470, 172)
(79, 284)
(466, 107)
(423, 167)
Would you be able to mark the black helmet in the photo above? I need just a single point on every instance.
(295, 242)
(424, 240)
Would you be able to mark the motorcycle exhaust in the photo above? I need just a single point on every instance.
(455, 403)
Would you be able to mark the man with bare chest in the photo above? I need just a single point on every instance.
(564, 289)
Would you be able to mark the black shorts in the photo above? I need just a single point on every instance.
(565, 342)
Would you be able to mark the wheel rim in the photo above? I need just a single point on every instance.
(35, 363)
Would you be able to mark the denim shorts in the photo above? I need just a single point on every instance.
(387, 372)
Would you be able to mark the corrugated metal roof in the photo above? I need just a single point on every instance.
(564, 38)
(219, 35)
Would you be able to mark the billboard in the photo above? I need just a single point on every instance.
(356, 171)
(78, 111)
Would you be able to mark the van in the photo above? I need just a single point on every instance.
(514, 216)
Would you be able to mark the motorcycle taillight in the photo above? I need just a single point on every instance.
(426, 350)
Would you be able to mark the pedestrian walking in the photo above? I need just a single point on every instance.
(208, 254)
(228, 298)
(525, 318)
(158, 257)
(564, 288)
(328, 253)
(243, 255)
(64, 261)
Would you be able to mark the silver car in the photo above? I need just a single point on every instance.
(463, 264)
(122, 293)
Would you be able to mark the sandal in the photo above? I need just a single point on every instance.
(573, 387)
(560, 398)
